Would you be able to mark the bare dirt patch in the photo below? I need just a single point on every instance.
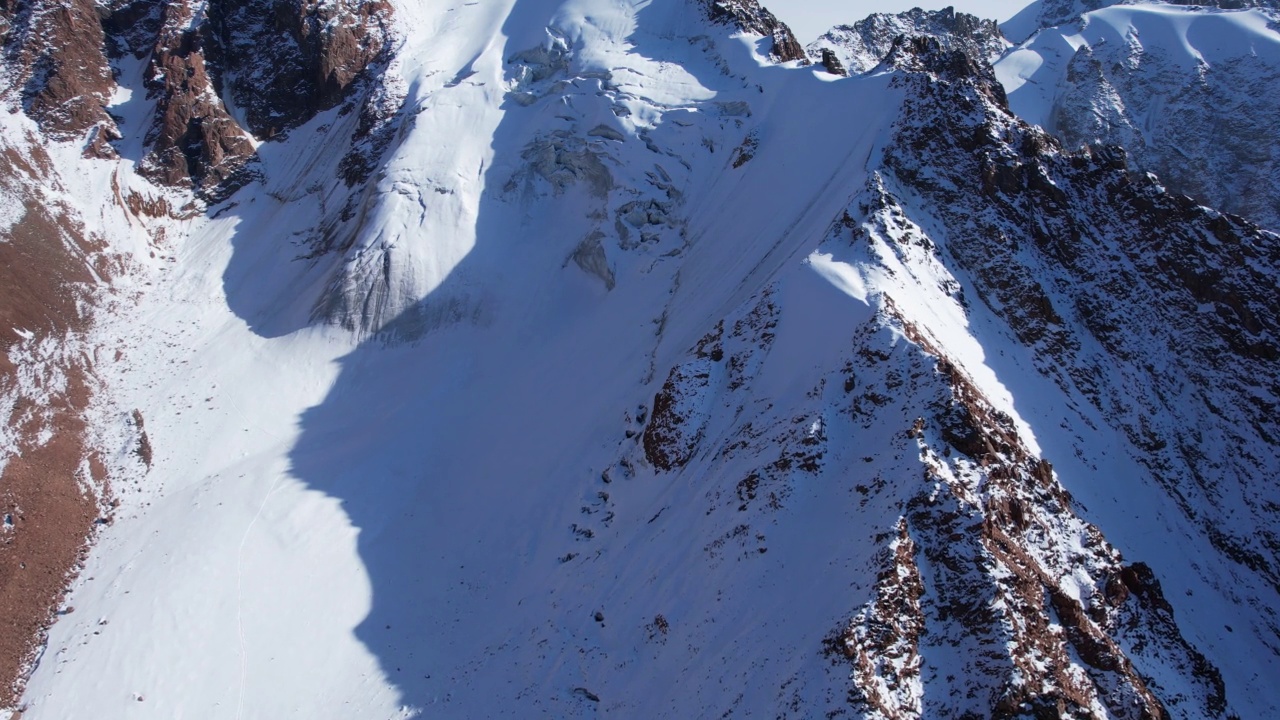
(52, 484)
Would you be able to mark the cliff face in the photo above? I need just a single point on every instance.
(279, 63)
(1186, 112)
(282, 62)
(55, 56)
(193, 140)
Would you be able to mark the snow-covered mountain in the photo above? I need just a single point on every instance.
(1050, 13)
(1183, 89)
(568, 357)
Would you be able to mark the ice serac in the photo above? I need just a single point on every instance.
(1176, 87)
(861, 46)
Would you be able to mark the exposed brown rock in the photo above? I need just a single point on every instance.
(48, 490)
(749, 16)
(832, 64)
(38, 269)
(194, 141)
(285, 60)
(984, 518)
(47, 518)
(882, 644)
(56, 51)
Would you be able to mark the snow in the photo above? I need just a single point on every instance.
(1181, 37)
(376, 523)
(811, 18)
(292, 466)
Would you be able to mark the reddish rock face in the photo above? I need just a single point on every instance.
(194, 141)
(47, 272)
(282, 61)
(62, 70)
(285, 60)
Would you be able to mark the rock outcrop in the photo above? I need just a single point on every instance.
(56, 60)
(193, 140)
(749, 16)
(279, 63)
(861, 46)
(283, 62)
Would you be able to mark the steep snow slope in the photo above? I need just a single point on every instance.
(1178, 87)
(464, 442)
(682, 383)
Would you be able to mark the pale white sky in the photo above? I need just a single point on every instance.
(811, 18)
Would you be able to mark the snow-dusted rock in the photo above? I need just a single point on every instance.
(861, 46)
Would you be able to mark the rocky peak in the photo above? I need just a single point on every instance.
(749, 16)
(861, 46)
(928, 55)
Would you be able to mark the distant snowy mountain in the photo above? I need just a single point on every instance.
(573, 357)
(1049, 13)
(860, 47)
(1182, 89)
